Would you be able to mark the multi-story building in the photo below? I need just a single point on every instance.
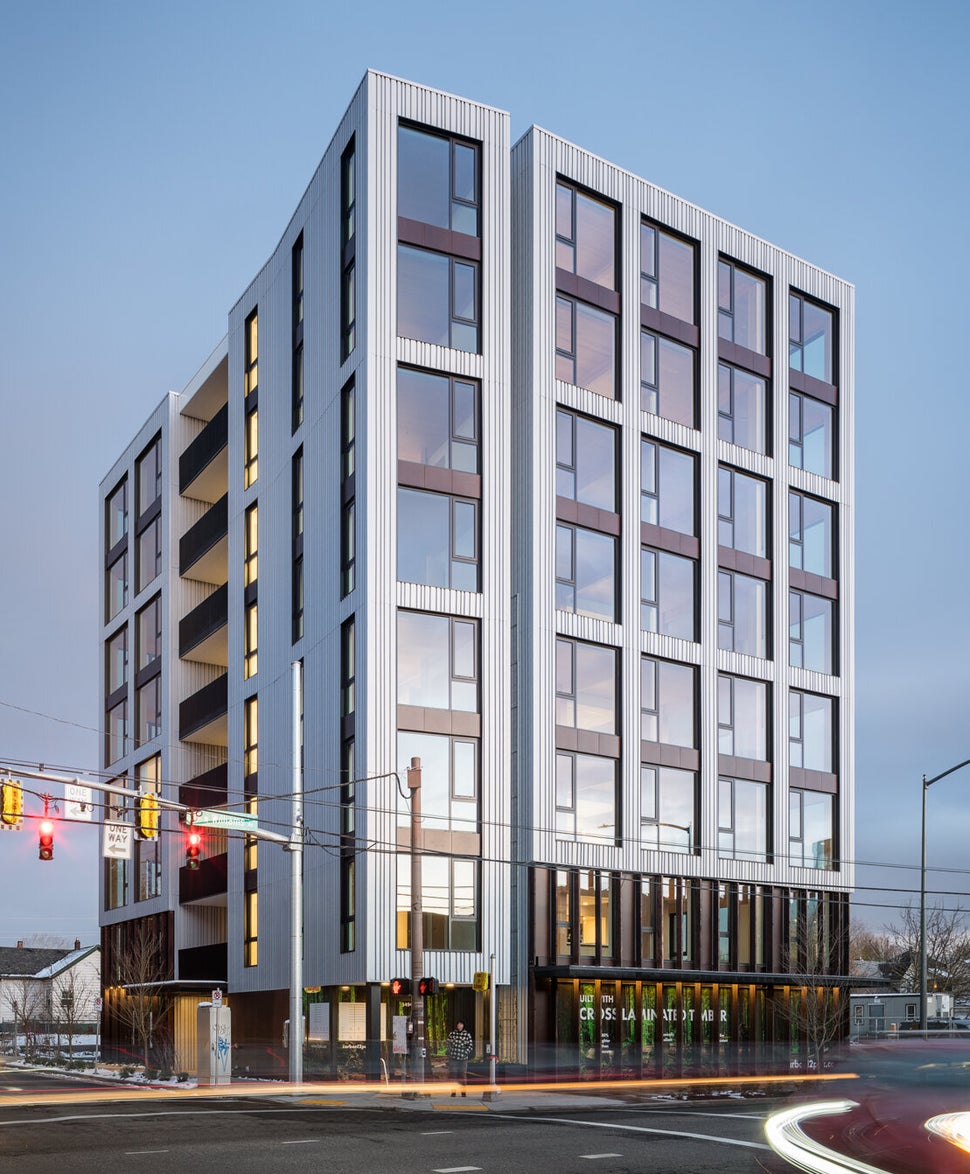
(503, 449)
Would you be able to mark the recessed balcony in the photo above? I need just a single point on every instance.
(204, 465)
(203, 716)
(203, 632)
(204, 547)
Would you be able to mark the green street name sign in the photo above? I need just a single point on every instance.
(241, 821)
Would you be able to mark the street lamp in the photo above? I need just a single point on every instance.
(927, 783)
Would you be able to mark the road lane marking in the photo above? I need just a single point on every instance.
(439, 1133)
(455, 1169)
(595, 1157)
(301, 1141)
(750, 1145)
(129, 1153)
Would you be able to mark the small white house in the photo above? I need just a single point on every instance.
(46, 990)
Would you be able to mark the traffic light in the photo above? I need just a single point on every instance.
(427, 986)
(45, 841)
(12, 805)
(400, 987)
(193, 846)
(148, 812)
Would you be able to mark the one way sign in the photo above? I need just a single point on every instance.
(117, 841)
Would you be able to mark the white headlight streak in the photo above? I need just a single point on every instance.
(786, 1138)
(954, 1127)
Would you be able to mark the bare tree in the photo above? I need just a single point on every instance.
(141, 970)
(27, 1004)
(72, 1006)
(865, 945)
(818, 1010)
(947, 948)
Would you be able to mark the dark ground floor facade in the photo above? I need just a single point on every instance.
(628, 976)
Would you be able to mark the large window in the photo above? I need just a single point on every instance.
(148, 710)
(668, 808)
(742, 407)
(811, 728)
(250, 736)
(437, 420)
(149, 554)
(296, 285)
(668, 702)
(742, 717)
(811, 435)
(148, 474)
(587, 806)
(449, 902)
(251, 446)
(251, 640)
(585, 236)
(586, 686)
(742, 512)
(437, 180)
(117, 586)
(348, 667)
(667, 487)
(437, 539)
(667, 273)
(251, 545)
(449, 780)
(668, 591)
(742, 307)
(348, 269)
(742, 614)
(742, 819)
(116, 515)
(811, 535)
(585, 346)
(116, 661)
(296, 545)
(251, 345)
(149, 633)
(437, 298)
(250, 928)
(586, 572)
(586, 461)
(811, 631)
(149, 777)
(348, 547)
(811, 331)
(811, 829)
(116, 732)
(437, 661)
(667, 379)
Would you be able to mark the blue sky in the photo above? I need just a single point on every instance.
(153, 154)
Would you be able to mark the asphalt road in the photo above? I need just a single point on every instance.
(298, 1134)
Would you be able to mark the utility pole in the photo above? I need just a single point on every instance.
(295, 848)
(417, 925)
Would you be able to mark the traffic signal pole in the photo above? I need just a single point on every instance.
(295, 848)
(417, 925)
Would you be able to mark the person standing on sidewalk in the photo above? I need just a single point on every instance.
(460, 1049)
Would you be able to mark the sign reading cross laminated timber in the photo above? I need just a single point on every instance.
(117, 841)
(240, 821)
(77, 801)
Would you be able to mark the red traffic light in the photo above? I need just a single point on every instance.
(193, 846)
(427, 986)
(45, 840)
(400, 987)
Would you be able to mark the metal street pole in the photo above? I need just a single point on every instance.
(927, 783)
(493, 1016)
(296, 889)
(417, 924)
